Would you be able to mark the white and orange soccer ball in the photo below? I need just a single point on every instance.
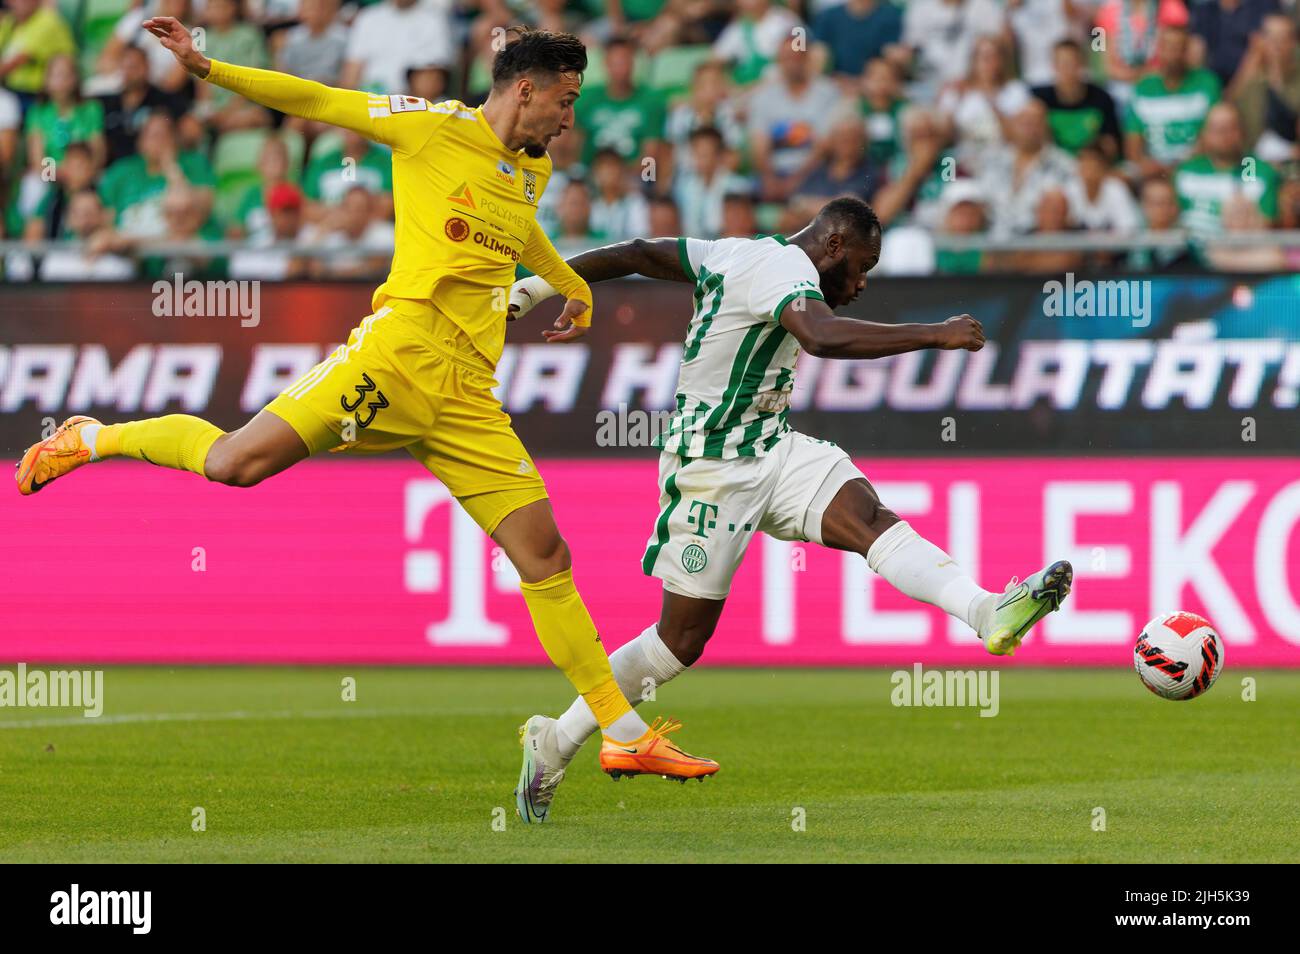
(1178, 655)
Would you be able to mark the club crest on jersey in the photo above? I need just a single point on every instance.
(407, 104)
(506, 172)
(530, 186)
(457, 229)
(694, 559)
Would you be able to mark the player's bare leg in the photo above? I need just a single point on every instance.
(530, 538)
(261, 448)
(857, 521)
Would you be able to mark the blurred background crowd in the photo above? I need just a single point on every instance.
(990, 135)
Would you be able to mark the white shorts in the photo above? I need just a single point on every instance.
(709, 509)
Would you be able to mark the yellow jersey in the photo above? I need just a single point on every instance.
(465, 205)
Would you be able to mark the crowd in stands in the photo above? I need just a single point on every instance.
(954, 118)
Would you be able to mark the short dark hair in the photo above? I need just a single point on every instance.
(708, 132)
(1092, 149)
(538, 51)
(849, 214)
(607, 154)
(1068, 43)
(81, 147)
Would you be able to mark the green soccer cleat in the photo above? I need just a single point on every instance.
(1021, 605)
(542, 771)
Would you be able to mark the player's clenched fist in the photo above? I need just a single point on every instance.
(961, 332)
(176, 38)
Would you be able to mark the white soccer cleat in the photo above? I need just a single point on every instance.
(543, 769)
(1021, 605)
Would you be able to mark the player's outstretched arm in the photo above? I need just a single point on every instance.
(653, 258)
(346, 108)
(824, 334)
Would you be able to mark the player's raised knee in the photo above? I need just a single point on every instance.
(553, 555)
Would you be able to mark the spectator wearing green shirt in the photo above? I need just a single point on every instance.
(331, 174)
(962, 212)
(62, 116)
(751, 40)
(1220, 171)
(1168, 106)
(30, 36)
(252, 217)
(1079, 113)
(619, 115)
(231, 39)
(132, 188)
(882, 105)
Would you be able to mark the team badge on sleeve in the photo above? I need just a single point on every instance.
(530, 186)
(407, 104)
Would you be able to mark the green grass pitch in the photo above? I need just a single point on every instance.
(421, 768)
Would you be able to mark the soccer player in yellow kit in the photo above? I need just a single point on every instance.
(418, 372)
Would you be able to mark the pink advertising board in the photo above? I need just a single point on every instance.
(369, 561)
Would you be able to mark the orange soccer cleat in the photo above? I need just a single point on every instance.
(53, 457)
(653, 754)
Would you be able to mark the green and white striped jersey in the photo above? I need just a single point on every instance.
(737, 371)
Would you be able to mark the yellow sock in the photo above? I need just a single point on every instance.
(569, 637)
(178, 441)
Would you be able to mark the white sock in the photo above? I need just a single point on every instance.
(626, 728)
(88, 434)
(640, 666)
(919, 569)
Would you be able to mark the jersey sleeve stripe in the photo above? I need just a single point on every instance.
(686, 258)
(804, 293)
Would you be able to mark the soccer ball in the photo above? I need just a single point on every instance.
(1178, 655)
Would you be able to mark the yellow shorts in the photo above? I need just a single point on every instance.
(408, 377)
